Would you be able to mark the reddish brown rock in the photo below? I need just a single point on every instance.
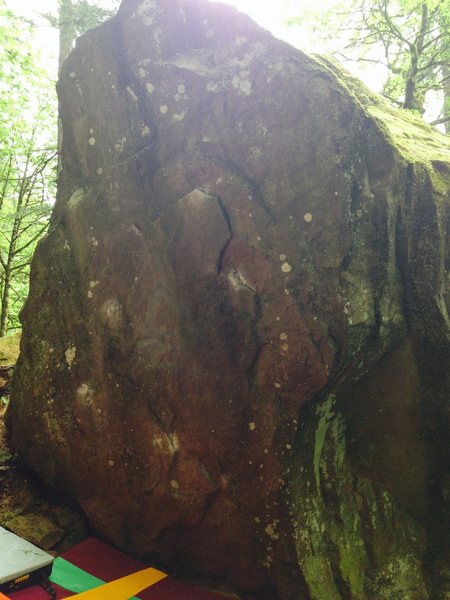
(240, 312)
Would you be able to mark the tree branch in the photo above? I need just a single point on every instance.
(439, 121)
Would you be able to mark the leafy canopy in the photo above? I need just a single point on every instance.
(27, 160)
(28, 144)
(411, 38)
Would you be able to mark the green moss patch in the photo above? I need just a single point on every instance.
(9, 350)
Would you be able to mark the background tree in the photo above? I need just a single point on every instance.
(27, 179)
(16, 68)
(411, 38)
(74, 18)
(27, 161)
(28, 132)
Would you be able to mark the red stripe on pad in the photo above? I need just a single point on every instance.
(109, 564)
(101, 560)
(170, 589)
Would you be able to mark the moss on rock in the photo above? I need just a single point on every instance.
(9, 350)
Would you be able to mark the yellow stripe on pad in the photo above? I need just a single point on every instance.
(125, 587)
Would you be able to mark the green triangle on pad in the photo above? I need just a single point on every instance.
(74, 579)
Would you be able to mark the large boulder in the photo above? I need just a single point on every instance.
(236, 349)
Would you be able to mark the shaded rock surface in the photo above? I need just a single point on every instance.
(236, 347)
(30, 513)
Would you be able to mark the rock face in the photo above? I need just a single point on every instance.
(236, 348)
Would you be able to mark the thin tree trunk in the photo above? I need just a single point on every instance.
(412, 100)
(410, 87)
(4, 317)
(67, 37)
(8, 273)
(446, 88)
(67, 30)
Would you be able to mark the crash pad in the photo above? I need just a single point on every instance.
(21, 561)
(92, 563)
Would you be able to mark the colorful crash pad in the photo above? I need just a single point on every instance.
(92, 563)
(120, 589)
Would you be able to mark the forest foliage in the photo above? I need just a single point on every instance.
(28, 144)
(27, 162)
(410, 38)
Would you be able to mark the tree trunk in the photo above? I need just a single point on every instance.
(4, 316)
(412, 101)
(67, 30)
(8, 272)
(446, 89)
(410, 87)
(67, 36)
(12, 252)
